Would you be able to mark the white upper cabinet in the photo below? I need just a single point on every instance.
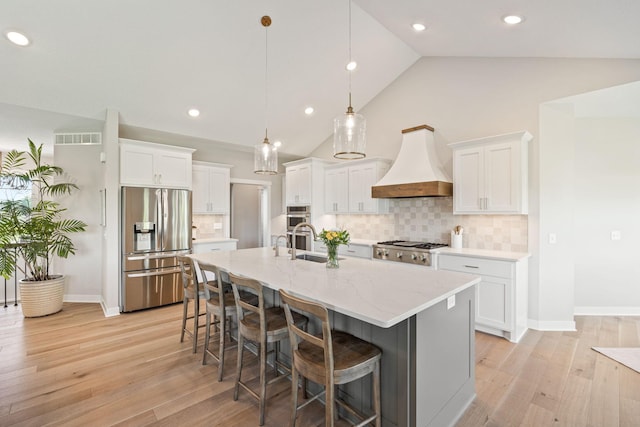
(348, 188)
(145, 164)
(490, 175)
(298, 184)
(336, 190)
(211, 183)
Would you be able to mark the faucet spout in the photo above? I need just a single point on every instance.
(293, 237)
(275, 248)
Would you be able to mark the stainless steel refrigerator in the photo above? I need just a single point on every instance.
(156, 228)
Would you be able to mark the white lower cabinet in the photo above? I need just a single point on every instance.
(203, 247)
(352, 249)
(501, 295)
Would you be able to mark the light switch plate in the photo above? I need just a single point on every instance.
(616, 235)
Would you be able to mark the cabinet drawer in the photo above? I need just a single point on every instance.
(475, 265)
(355, 250)
(361, 251)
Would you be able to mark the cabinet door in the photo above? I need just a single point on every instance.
(200, 195)
(137, 166)
(501, 171)
(336, 191)
(219, 186)
(468, 180)
(299, 185)
(493, 303)
(173, 169)
(361, 179)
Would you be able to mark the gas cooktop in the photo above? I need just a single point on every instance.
(405, 251)
(408, 244)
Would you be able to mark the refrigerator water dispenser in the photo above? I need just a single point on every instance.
(145, 236)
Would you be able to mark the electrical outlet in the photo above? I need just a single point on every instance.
(616, 235)
(552, 238)
(217, 226)
(451, 302)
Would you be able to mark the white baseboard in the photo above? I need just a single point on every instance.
(82, 298)
(552, 325)
(606, 311)
(109, 311)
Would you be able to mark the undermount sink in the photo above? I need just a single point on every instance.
(313, 258)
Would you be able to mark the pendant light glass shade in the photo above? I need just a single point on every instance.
(349, 129)
(265, 158)
(349, 135)
(265, 154)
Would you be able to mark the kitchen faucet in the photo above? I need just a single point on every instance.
(293, 237)
(275, 248)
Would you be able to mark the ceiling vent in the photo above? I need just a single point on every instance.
(82, 138)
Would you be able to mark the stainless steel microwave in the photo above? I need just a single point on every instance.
(297, 215)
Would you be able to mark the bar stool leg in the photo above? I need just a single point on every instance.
(238, 366)
(376, 393)
(263, 379)
(207, 336)
(185, 308)
(294, 396)
(196, 316)
(222, 327)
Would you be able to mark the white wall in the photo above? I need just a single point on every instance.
(465, 98)
(83, 270)
(607, 198)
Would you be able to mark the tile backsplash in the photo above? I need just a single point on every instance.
(210, 226)
(431, 219)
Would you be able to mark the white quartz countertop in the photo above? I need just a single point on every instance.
(378, 292)
(214, 240)
(485, 253)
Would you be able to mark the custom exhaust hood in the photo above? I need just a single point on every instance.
(415, 173)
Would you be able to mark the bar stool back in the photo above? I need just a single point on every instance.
(261, 325)
(330, 358)
(192, 290)
(220, 304)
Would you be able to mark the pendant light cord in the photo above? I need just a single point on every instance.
(266, 81)
(350, 58)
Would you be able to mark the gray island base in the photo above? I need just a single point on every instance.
(422, 319)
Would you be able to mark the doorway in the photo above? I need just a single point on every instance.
(249, 214)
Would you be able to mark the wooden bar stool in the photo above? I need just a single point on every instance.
(330, 358)
(192, 289)
(221, 308)
(262, 326)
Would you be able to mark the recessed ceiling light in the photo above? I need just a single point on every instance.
(352, 66)
(512, 19)
(17, 38)
(308, 111)
(193, 112)
(419, 27)
(277, 144)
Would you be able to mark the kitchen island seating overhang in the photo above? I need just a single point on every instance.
(422, 319)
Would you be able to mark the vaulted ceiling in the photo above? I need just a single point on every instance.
(153, 60)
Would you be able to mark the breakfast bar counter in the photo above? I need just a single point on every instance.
(422, 319)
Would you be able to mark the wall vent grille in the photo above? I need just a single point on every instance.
(83, 138)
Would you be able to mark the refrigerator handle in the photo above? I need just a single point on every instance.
(154, 273)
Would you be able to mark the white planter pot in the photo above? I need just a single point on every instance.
(41, 298)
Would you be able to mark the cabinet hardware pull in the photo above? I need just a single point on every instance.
(472, 266)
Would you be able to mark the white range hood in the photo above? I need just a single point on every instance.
(415, 173)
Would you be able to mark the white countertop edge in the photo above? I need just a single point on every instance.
(485, 253)
(423, 307)
(214, 240)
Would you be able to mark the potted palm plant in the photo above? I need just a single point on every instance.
(33, 230)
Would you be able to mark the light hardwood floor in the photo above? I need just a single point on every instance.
(79, 368)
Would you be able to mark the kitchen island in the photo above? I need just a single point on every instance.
(422, 319)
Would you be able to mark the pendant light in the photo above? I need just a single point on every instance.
(265, 154)
(349, 129)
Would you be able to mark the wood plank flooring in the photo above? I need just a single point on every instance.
(77, 368)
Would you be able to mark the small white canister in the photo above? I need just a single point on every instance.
(456, 240)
